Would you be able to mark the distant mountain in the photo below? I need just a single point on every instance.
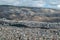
(29, 13)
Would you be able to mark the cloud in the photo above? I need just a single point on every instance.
(39, 4)
(58, 6)
(52, 3)
(32, 3)
(10, 2)
(23, 2)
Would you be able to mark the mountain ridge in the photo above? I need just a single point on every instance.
(29, 13)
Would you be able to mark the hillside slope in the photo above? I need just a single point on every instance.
(29, 13)
(14, 33)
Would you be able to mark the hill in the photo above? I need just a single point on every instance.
(29, 13)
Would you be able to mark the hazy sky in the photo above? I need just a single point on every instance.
(33, 3)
